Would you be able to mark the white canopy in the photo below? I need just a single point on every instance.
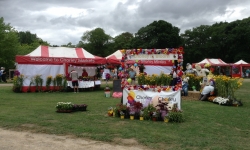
(241, 62)
(213, 62)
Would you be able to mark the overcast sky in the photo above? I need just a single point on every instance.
(62, 21)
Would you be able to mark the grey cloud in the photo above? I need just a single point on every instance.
(114, 17)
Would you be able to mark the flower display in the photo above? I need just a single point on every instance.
(221, 100)
(64, 106)
(226, 86)
(48, 81)
(18, 83)
(154, 79)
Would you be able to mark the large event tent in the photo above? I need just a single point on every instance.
(153, 64)
(47, 61)
(213, 62)
(220, 67)
(239, 68)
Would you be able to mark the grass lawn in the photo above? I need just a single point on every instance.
(207, 125)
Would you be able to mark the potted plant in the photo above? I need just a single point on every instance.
(132, 115)
(110, 111)
(162, 106)
(64, 107)
(122, 115)
(155, 115)
(166, 118)
(141, 115)
(137, 106)
(148, 111)
(176, 115)
(123, 108)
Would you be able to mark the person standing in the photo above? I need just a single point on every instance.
(3, 74)
(74, 77)
(132, 75)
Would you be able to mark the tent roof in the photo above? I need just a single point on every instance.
(115, 58)
(45, 54)
(241, 62)
(213, 62)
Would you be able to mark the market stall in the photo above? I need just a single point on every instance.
(241, 69)
(218, 67)
(47, 61)
(154, 61)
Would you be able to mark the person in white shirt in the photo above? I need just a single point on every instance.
(207, 91)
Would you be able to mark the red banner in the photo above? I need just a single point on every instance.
(57, 60)
(152, 62)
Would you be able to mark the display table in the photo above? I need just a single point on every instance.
(85, 84)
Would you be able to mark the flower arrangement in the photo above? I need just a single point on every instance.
(64, 106)
(16, 73)
(221, 100)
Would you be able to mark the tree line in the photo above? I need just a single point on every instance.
(227, 41)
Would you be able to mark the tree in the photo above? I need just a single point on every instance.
(96, 42)
(9, 44)
(123, 41)
(159, 34)
(196, 43)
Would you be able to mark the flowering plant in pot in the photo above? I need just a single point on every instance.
(176, 115)
(64, 106)
(148, 111)
(110, 111)
(162, 106)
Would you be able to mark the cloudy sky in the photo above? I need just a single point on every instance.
(62, 21)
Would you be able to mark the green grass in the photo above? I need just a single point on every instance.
(207, 125)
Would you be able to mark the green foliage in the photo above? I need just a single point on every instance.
(64, 106)
(38, 82)
(123, 41)
(160, 34)
(8, 44)
(96, 41)
(175, 115)
(148, 111)
(194, 81)
(18, 83)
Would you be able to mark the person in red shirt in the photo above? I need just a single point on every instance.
(84, 73)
